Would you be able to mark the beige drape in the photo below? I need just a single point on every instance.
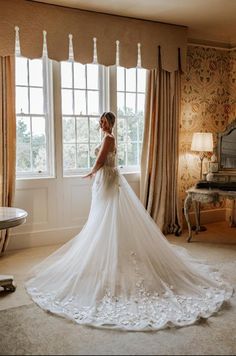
(7, 138)
(159, 160)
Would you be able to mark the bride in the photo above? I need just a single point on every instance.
(120, 271)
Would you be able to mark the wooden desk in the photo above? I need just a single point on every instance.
(10, 217)
(196, 196)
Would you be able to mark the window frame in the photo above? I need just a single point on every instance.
(102, 103)
(47, 76)
(107, 102)
(126, 169)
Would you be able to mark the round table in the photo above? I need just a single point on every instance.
(10, 217)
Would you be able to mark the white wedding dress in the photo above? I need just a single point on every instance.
(121, 272)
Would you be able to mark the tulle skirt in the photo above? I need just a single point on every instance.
(121, 272)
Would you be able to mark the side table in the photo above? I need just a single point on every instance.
(196, 196)
(10, 217)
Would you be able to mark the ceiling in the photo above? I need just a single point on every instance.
(210, 22)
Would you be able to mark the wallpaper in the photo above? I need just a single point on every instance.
(208, 105)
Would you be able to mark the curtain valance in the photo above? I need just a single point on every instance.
(33, 18)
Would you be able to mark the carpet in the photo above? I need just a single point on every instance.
(28, 330)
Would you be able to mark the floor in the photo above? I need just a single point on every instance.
(217, 245)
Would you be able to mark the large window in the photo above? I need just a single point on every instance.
(84, 92)
(82, 102)
(130, 116)
(33, 118)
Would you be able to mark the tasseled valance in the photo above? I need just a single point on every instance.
(117, 40)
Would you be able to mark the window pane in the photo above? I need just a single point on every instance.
(95, 134)
(23, 131)
(38, 132)
(36, 72)
(93, 103)
(23, 158)
(39, 158)
(92, 76)
(140, 103)
(120, 79)
(121, 154)
(120, 104)
(132, 154)
(82, 129)
(141, 124)
(92, 156)
(121, 130)
(130, 104)
(140, 151)
(69, 129)
(82, 156)
(80, 102)
(22, 104)
(131, 79)
(21, 71)
(69, 156)
(36, 101)
(132, 129)
(67, 103)
(79, 76)
(66, 74)
(141, 80)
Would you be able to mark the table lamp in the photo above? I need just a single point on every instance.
(202, 142)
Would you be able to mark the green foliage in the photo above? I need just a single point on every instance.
(31, 150)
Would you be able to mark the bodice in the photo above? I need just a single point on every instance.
(110, 159)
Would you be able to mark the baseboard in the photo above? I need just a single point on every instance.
(42, 237)
(208, 216)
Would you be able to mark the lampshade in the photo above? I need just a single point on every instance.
(202, 142)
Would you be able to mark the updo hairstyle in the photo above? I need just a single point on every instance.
(110, 117)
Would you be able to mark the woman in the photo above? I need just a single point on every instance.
(120, 271)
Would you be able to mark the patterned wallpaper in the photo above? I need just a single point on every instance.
(208, 105)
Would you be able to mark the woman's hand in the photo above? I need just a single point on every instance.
(89, 175)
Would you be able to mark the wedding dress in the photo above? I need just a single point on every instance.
(121, 272)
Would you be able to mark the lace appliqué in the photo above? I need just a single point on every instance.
(144, 310)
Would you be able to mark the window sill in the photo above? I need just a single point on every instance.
(35, 178)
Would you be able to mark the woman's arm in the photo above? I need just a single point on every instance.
(108, 142)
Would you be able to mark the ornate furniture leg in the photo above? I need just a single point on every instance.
(187, 205)
(232, 222)
(196, 205)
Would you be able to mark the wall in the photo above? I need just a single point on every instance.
(208, 104)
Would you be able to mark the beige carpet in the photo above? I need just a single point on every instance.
(25, 329)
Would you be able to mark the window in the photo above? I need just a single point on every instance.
(34, 118)
(130, 116)
(84, 92)
(82, 95)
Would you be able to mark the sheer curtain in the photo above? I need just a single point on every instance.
(159, 160)
(7, 137)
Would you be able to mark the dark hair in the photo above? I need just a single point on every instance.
(110, 116)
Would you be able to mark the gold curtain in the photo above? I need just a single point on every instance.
(7, 137)
(159, 160)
